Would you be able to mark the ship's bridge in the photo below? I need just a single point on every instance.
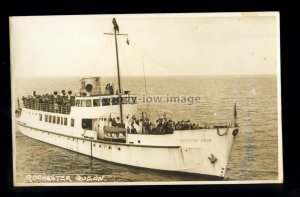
(96, 101)
(93, 94)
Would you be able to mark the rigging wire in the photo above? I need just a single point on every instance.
(115, 65)
(144, 76)
(108, 63)
(158, 66)
(124, 58)
(99, 59)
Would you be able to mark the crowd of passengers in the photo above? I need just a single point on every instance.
(161, 126)
(50, 102)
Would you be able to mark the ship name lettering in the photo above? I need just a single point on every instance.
(92, 178)
(205, 140)
(189, 140)
(195, 140)
(47, 178)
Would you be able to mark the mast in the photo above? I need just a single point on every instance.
(115, 34)
(116, 28)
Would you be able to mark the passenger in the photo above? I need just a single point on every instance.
(118, 120)
(150, 128)
(193, 126)
(111, 88)
(133, 130)
(69, 94)
(128, 129)
(72, 100)
(110, 122)
(24, 100)
(56, 108)
(114, 122)
(34, 93)
(55, 94)
(205, 125)
(146, 126)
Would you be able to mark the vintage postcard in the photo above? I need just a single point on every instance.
(146, 99)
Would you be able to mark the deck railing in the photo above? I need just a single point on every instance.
(48, 107)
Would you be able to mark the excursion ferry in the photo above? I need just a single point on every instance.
(105, 123)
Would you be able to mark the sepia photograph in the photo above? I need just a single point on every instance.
(146, 99)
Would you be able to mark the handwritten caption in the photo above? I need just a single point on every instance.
(39, 178)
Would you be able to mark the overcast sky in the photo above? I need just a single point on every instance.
(189, 44)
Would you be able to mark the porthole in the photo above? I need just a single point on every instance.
(99, 146)
(94, 145)
(139, 141)
(109, 147)
(119, 148)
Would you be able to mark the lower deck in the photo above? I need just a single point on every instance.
(166, 157)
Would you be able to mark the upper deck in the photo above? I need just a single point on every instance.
(54, 106)
(90, 95)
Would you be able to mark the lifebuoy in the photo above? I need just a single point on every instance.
(235, 132)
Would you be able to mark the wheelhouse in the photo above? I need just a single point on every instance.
(99, 101)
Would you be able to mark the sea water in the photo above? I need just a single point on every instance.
(255, 152)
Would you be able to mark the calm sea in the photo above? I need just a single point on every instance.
(255, 152)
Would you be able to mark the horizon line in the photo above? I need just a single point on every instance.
(189, 75)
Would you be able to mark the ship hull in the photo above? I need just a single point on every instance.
(184, 156)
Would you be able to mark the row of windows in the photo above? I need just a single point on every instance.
(57, 120)
(105, 101)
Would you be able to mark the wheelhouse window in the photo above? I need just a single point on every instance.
(46, 118)
(54, 118)
(77, 103)
(50, 118)
(105, 101)
(61, 120)
(72, 122)
(58, 120)
(96, 102)
(116, 100)
(83, 103)
(65, 121)
(124, 100)
(89, 103)
(41, 117)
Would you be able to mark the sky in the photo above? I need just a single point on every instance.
(165, 44)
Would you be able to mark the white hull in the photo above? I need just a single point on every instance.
(183, 151)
